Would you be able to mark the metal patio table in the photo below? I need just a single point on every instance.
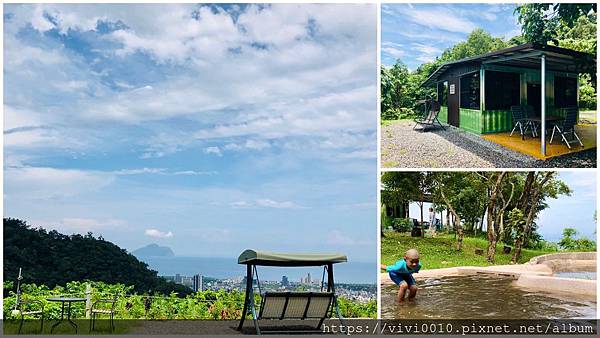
(537, 121)
(69, 301)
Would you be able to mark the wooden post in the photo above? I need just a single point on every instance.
(88, 300)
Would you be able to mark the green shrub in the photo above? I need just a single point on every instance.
(397, 114)
(402, 224)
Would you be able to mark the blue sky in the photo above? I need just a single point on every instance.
(208, 129)
(575, 211)
(418, 33)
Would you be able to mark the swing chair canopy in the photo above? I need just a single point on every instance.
(264, 258)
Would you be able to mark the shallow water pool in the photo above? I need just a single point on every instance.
(579, 275)
(481, 297)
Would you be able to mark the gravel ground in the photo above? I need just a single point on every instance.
(403, 147)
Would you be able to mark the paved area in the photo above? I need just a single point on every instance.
(403, 147)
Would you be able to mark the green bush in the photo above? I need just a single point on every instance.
(200, 305)
(545, 246)
(568, 242)
(402, 224)
(397, 114)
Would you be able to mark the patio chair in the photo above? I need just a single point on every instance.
(31, 307)
(567, 126)
(530, 113)
(431, 118)
(416, 229)
(103, 307)
(519, 117)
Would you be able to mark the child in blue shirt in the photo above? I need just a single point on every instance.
(401, 274)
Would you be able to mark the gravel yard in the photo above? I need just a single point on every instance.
(403, 147)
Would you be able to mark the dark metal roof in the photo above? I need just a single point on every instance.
(527, 56)
(254, 257)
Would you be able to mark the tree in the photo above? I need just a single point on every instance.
(477, 43)
(537, 188)
(456, 190)
(565, 25)
(403, 187)
(568, 242)
(52, 258)
(541, 22)
(496, 206)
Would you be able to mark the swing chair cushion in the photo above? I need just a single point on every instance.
(295, 305)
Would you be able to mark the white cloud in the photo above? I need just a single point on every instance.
(45, 183)
(339, 238)
(158, 234)
(427, 49)
(213, 150)
(140, 171)
(426, 58)
(194, 173)
(393, 49)
(265, 203)
(440, 18)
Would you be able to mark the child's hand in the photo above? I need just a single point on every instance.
(383, 267)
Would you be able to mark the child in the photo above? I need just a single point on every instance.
(401, 274)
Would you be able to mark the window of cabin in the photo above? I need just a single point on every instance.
(502, 90)
(565, 92)
(469, 91)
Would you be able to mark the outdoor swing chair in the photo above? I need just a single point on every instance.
(289, 305)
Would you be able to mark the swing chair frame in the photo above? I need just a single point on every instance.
(252, 259)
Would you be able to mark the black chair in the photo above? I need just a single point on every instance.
(416, 229)
(567, 127)
(30, 307)
(530, 113)
(103, 307)
(521, 121)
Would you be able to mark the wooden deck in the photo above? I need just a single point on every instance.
(531, 146)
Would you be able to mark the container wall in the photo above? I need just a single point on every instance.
(470, 120)
(443, 116)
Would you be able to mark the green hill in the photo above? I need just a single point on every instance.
(51, 258)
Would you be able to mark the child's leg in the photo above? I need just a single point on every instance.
(402, 291)
(412, 292)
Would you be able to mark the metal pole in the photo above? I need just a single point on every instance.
(19, 278)
(543, 58)
(88, 300)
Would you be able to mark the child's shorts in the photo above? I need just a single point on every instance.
(402, 277)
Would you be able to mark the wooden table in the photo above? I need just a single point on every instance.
(69, 301)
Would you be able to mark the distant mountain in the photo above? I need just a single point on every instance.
(153, 250)
(51, 258)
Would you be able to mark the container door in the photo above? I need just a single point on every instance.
(453, 101)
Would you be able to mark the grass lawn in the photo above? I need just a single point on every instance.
(440, 252)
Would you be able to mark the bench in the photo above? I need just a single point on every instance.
(295, 305)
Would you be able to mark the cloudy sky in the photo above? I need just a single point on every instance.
(575, 211)
(209, 129)
(418, 33)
